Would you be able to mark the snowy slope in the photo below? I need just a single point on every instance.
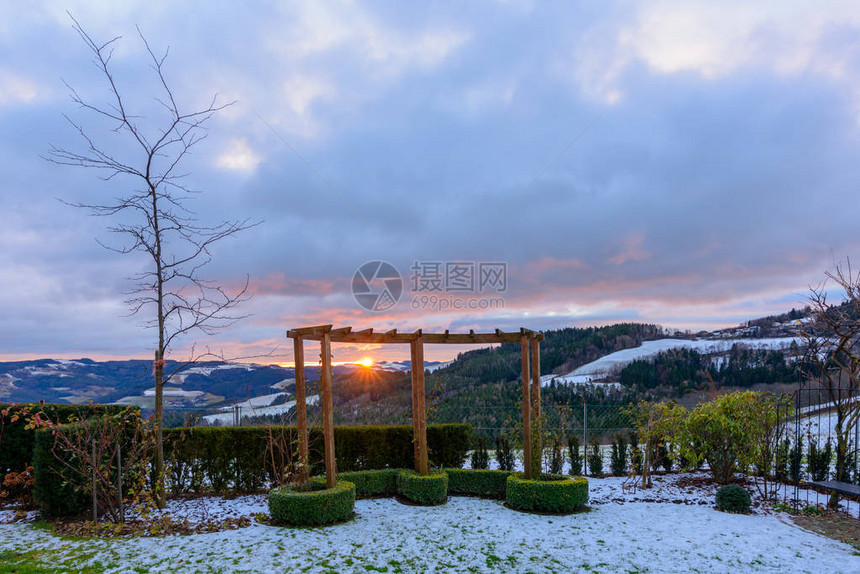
(604, 366)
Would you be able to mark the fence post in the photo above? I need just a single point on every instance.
(119, 481)
(584, 437)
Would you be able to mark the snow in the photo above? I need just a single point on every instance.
(174, 392)
(226, 418)
(255, 402)
(606, 365)
(667, 529)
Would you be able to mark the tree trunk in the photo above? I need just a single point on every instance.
(160, 495)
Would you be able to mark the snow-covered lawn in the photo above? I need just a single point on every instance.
(621, 533)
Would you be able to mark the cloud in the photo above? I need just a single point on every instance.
(239, 157)
(16, 89)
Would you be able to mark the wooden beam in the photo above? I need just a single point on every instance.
(527, 414)
(328, 412)
(292, 333)
(301, 408)
(416, 405)
(418, 367)
(429, 338)
(536, 407)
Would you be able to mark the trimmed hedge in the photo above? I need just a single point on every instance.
(552, 493)
(484, 483)
(238, 459)
(17, 442)
(57, 490)
(428, 490)
(370, 483)
(733, 498)
(63, 484)
(313, 507)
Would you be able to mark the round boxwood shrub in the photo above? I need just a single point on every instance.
(427, 490)
(551, 493)
(312, 504)
(733, 498)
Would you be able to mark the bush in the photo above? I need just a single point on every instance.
(70, 458)
(818, 460)
(733, 498)
(484, 483)
(619, 456)
(552, 493)
(635, 453)
(17, 441)
(595, 459)
(794, 459)
(480, 457)
(556, 457)
(724, 432)
(313, 505)
(504, 453)
(427, 490)
(371, 483)
(247, 459)
(575, 455)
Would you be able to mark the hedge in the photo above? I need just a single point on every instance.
(312, 507)
(733, 498)
(552, 493)
(239, 459)
(63, 485)
(17, 442)
(483, 483)
(427, 490)
(371, 483)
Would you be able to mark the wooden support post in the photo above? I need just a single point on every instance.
(418, 367)
(301, 408)
(527, 411)
(416, 404)
(537, 439)
(328, 411)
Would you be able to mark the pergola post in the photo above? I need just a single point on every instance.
(419, 409)
(301, 408)
(527, 414)
(536, 410)
(328, 411)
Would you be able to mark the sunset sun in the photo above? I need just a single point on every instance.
(365, 362)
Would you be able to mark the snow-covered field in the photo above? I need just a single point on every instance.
(254, 408)
(604, 366)
(679, 532)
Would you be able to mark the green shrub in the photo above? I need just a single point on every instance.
(313, 505)
(480, 459)
(794, 463)
(818, 464)
(556, 457)
(575, 455)
(733, 498)
(428, 490)
(57, 490)
(504, 453)
(635, 453)
(595, 459)
(552, 493)
(618, 464)
(17, 441)
(484, 483)
(68, 457)
(370, 483)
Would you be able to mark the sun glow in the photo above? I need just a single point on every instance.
(365, 362)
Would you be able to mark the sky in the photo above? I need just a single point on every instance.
(516, 164)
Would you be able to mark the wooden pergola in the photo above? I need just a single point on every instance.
(326, 335)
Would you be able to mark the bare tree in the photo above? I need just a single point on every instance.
(832, 359)
(153, 217)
